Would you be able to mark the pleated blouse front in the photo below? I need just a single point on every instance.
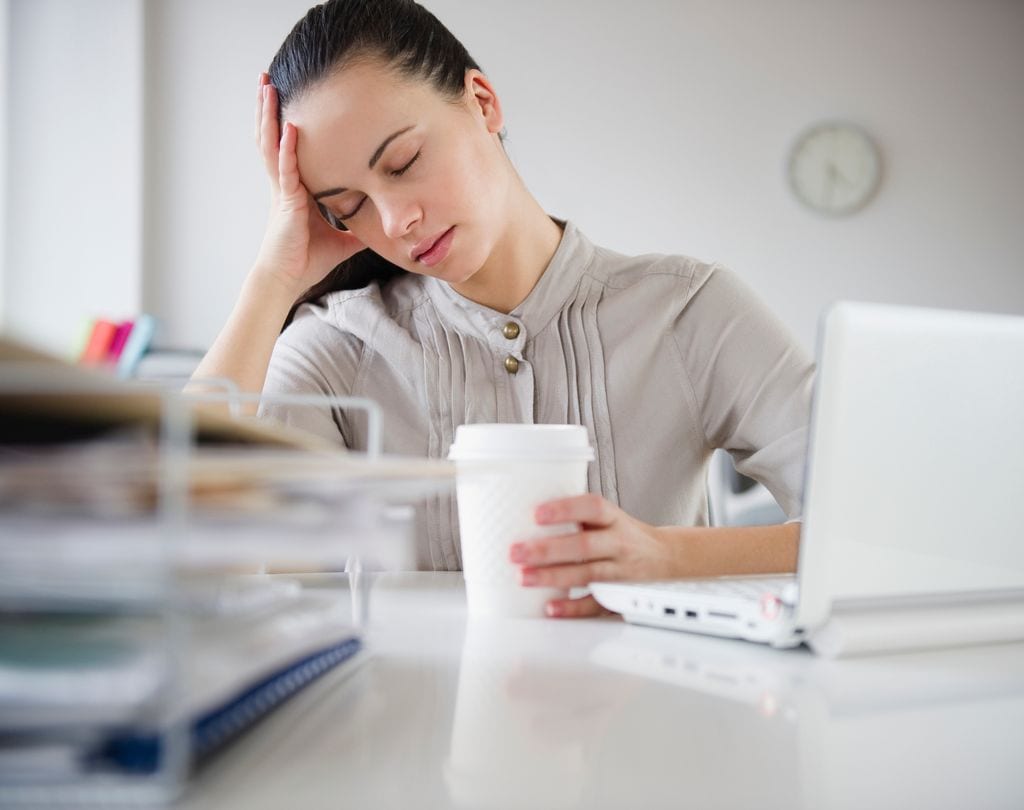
(662, 358)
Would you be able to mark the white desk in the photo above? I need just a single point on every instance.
(596, 714)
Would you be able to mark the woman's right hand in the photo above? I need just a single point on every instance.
(299, 247)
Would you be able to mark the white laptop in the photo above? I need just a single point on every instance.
(913, 528)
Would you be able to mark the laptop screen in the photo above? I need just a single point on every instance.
(915, 482)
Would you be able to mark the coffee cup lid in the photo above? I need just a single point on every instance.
(521, 442)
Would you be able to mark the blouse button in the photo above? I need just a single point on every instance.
(511, 330)
(511, 364)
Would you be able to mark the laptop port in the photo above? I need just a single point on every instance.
(670, 611)
(691, 614)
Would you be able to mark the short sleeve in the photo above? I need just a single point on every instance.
(752, 382)
(311, 356)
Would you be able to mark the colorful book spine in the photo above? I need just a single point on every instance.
(124, 329)
(98, 346)
(136, 345)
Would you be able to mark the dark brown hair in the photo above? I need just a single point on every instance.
(401, 34)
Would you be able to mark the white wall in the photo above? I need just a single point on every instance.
(656, 126)
(74, 190)
(4, 73)
(664, 126)
(207, 196)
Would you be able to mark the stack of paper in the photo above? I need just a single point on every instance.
(97, 520)
(86, 694)
(135, 636)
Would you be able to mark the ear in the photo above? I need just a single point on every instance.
(484, 101)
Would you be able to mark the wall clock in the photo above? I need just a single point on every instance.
(834, 168)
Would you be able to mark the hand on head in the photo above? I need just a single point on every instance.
(299, 247)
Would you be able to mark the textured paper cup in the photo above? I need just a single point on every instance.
(503, 472)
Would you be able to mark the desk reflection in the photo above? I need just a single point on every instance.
(522, 723)
(931, 729)
(597, 714)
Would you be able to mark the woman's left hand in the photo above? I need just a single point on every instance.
(610, 545)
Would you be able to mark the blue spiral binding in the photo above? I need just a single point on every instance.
(139, 752)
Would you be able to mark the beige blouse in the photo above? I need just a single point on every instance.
(662, 358)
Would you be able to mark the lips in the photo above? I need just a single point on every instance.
(431, 251)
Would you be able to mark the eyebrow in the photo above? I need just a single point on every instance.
(373, 162)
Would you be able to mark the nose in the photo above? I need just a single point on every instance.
(398, 215)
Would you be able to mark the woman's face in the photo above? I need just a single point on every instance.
(405, 169)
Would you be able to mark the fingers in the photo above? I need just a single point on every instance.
(566, 548)
(591, 509)
(570, 576)
(288, 181)
(269, 133)
(575, 608)
(263, 80)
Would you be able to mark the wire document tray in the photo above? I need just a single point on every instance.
(138, 625)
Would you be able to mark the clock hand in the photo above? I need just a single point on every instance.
(830, 182)
(842, 178)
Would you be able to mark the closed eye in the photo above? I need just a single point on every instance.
(332, 219)
(396, 173)
(405, 168)
(342, 217)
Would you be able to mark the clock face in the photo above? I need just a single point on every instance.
(835, 168)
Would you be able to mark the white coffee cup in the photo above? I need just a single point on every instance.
(503, 472)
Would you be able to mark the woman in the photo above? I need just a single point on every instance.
(431, 281)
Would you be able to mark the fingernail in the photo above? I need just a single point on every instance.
(543, 513)
(528, 578)
(517, 553)
(553, 609)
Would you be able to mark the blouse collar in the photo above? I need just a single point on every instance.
(556, 286)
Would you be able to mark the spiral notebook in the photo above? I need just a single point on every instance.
(139, 751)
(80, 694)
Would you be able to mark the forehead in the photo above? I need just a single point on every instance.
(344, 118)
